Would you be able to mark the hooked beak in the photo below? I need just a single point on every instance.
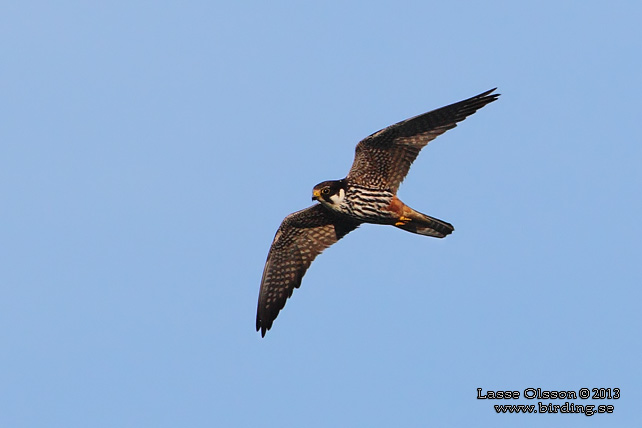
(316, 194)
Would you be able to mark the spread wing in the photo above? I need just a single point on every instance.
(383, 159)
(301, 237)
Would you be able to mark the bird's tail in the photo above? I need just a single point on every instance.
(422, 224)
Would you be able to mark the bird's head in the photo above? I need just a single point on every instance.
(330, 193)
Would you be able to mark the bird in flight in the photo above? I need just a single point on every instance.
(368, 194)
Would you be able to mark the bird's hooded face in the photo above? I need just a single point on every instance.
(330, 193)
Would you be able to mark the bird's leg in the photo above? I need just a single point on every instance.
(402, 220)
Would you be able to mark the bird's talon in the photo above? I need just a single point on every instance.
(402, 221)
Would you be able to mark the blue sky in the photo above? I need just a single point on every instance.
(151, 149)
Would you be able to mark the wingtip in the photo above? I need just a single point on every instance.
(261, 327)
(262, 330)
(489, 93)
(482, 99)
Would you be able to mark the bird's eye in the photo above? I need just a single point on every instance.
(325, 191)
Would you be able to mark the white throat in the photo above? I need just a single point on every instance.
(338, 199)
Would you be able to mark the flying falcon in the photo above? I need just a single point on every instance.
(367, 195)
